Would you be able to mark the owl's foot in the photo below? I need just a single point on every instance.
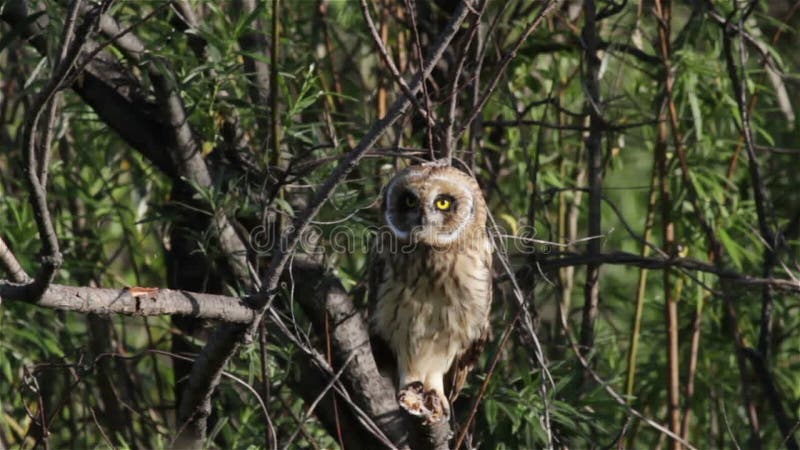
(437, 405)
(411, 398)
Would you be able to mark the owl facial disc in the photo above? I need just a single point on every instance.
(432, 205)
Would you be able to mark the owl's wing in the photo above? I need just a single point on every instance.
(466, 360)
(384, 357)
(457, 375)
(376, 263)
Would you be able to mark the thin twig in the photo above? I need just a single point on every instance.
(319, 361)
(311, 441)
(449, 142)
(275, 129)
(411, 5)
(641, 285)
(663, 15)
(527, 326)
(475, 129)
(547, 9)
(555, 261)
(270, 437)
(694, 353)
(555, 126)
(329, 355)
(322, 394)
(52, 105)
(482, 391)
(610, 390)
(387, 59)
(764, 210)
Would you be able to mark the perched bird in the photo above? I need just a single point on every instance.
(430, 286)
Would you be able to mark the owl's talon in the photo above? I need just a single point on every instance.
(438, 407)
(411, 398)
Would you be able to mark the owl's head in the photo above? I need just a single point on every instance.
(433, 204)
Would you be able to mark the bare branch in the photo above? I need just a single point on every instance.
(52, 105)
(155, 301)
(450, 118)
(411, 6)
(349, 338)
(274, 114)
(51, 255)
(134, 302)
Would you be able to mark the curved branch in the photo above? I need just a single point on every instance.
(35, 169)
(10, 263)
(326, 297)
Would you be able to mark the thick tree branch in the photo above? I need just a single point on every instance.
(134, 302)
(323, 295)
(155, 301)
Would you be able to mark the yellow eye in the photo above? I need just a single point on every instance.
(443, 204)
(410, 201)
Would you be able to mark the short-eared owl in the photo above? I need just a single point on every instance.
(431, 284)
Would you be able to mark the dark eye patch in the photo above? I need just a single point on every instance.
(408, 201)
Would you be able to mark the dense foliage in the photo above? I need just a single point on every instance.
(613, 126)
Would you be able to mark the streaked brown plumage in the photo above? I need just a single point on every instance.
(430, 283)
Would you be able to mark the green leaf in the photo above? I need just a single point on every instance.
(691, 85)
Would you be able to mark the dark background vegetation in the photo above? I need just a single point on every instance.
(152, 148)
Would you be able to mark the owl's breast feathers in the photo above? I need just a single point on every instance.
(431, 308)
